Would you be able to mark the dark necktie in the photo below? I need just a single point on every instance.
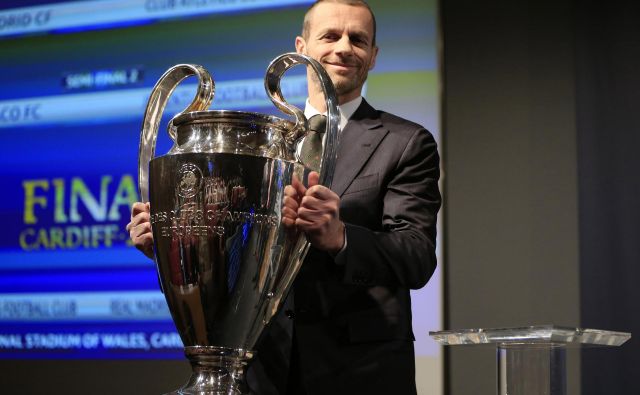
(311, 150)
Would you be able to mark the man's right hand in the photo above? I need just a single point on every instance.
(140, 228)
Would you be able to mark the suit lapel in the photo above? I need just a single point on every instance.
(359, 139)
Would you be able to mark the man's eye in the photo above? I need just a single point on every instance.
(359, 41)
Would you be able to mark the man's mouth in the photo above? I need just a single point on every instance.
(341, 66)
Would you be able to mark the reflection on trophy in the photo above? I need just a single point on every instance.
(224, 258)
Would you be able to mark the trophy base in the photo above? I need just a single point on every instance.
(215, 371)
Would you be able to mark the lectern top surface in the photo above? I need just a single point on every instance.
(531, 335)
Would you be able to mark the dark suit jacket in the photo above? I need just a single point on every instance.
(352, 314)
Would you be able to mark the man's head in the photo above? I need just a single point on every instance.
(355, 3)
(340, 34)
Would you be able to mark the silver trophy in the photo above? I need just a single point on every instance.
(225, 260)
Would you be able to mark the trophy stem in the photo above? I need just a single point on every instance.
(215, 371)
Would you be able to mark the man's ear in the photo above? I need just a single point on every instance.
(300, 45)
(373, 57)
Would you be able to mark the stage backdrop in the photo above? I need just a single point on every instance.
(74, 80)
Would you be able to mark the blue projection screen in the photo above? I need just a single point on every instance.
(74, 80)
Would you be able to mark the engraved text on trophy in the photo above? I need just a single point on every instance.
(221, 200)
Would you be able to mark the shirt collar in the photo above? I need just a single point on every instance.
(346, 110)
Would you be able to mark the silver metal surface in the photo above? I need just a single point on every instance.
(275, 71)
(155, 107)
(225, 260)
(221, 249)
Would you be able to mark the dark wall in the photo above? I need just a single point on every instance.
(510, 189)
(540, 192)
(608, 118)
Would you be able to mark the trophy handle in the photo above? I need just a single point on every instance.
(275, 71)
(155, 107)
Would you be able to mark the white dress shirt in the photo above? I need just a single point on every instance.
(346, 110)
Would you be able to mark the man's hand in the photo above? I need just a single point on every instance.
(140, 228)
(291, 202)
(315, 211)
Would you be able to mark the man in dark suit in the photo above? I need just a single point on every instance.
(372, 234)
(347, 329)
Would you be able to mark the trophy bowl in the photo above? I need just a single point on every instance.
(225, 260)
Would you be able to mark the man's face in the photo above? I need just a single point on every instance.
(340, 38)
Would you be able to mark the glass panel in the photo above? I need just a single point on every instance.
(531, 334)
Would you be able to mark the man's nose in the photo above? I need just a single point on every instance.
(344, 46)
